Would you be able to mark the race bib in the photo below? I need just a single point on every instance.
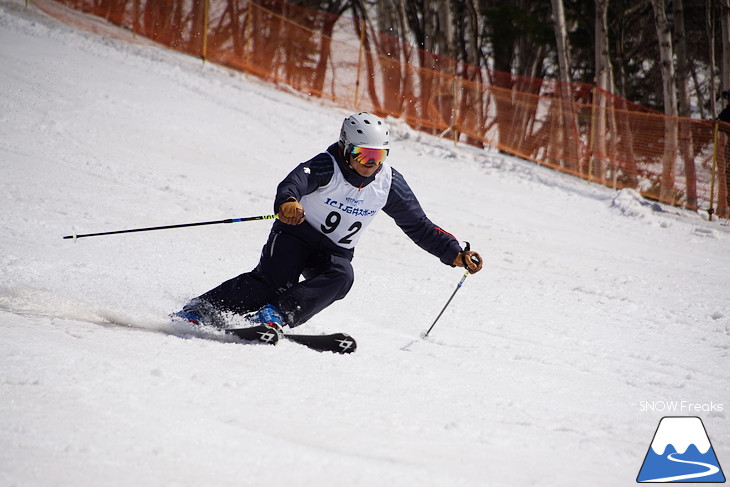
(341, 211)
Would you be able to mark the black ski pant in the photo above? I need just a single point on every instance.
(288, 254)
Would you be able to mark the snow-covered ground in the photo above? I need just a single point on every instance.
(593, 305)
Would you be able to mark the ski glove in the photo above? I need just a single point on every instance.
(470, 260)
(291, 212)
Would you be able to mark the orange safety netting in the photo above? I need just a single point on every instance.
(575, 128)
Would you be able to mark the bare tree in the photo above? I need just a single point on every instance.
(710, 27)
(561, 38)
(725, 42)
(723, 159)
(685, 132)
(604, 81)
(471, 104)
(666, 56)
(680, 46)
(565, 146)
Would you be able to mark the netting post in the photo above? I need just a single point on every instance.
(453, 110)
(359, 63)
(248, 34)
(711, 209)
(591, 132)
(204, 54)
(135, 21)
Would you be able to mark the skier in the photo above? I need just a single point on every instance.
(324, 205)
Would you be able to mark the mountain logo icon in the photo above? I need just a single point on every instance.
(681, 452)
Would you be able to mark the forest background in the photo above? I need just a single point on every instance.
(620, 92)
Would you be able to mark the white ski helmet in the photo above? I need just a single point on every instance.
(364, 130)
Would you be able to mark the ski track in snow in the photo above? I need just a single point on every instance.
(590, 302)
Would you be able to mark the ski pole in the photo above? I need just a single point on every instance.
(182, 225)
(463, 278)
(458, 286)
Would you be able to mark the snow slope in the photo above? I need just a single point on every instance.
(592, 302)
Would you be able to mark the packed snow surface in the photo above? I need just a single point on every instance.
(596, 314)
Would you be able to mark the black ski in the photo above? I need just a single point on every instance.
(336, 342)
(258, 333)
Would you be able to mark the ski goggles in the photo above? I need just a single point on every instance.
(366, 155)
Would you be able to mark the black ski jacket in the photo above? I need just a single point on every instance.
(401, 205)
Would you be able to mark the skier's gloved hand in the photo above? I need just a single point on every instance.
(470, 260)
(291, 212)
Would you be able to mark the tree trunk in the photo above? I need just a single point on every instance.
(685, 132)
(561, 38)
(567, 144)
(666, 56)
(725, 43)
(393, 57)
(724, 162)
(603, 81)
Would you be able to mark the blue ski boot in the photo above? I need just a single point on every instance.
(270, 316)
(198, 313)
